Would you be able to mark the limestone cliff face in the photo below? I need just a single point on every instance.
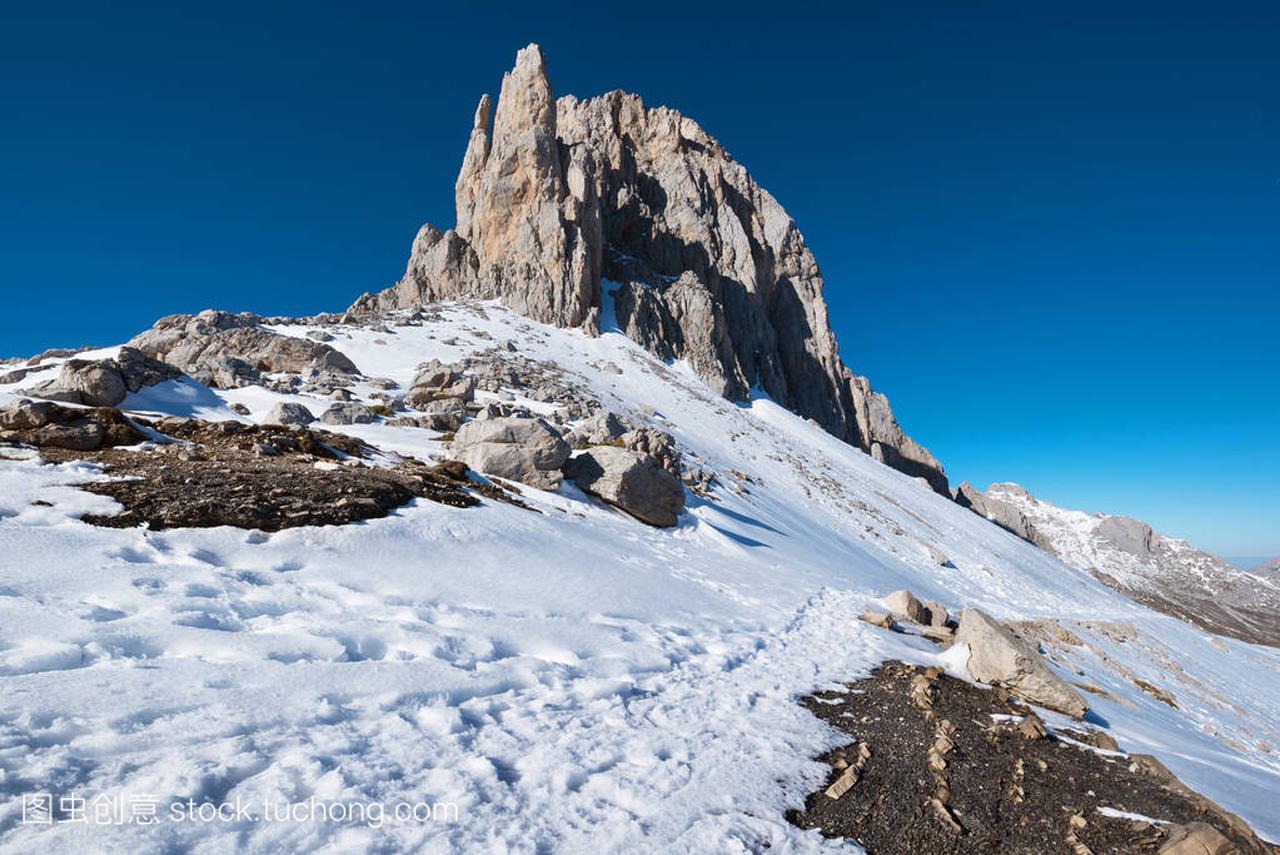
(567, 207)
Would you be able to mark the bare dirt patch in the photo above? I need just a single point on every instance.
(264, 477)
(941, 766)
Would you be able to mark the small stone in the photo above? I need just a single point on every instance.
(880, 619)
(1032, 727)
(842, 784)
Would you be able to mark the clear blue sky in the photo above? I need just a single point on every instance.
(1051, 235)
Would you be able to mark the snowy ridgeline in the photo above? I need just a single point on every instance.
(564, 680)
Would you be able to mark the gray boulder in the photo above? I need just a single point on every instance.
(49, 425)
(138, 370)
(289, 413)
(83, 435)
(526, 450)
(349, 413)
(999, 657)
(637, 483)
(444, 414)
(656, 443)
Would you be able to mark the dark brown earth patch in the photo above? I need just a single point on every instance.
(264, 477)
(930, 771)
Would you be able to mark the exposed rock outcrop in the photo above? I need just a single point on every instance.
(104, 382)
(262, 477)
(937, 766)
(224, 350)
(1002, 513)
(48, 425)
(573, 210)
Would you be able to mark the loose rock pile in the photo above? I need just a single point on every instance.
(104, 382)
(226, 351)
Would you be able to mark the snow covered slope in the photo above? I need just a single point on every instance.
(566, 680)
(1166, 573)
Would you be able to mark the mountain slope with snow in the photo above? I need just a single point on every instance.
(1166, 573)
(566, 677)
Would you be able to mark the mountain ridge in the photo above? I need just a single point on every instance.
(1128, 555)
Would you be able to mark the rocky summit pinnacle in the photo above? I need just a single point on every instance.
(583, 213)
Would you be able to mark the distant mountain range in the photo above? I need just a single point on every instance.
(1165, 573)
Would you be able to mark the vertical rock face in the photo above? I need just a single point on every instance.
(528, 228)
(567, 208)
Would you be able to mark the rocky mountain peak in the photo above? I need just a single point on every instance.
(571, 210)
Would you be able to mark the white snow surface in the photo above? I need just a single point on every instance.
(570, 680)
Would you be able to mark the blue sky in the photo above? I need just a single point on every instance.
(1051, 236)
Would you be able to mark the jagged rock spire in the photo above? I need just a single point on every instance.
(557, 198)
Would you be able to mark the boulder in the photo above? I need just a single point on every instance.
(80, 435)
(527, 450)
(637, 483)
(340, 413)
(104, 382)
(999, 657)
(1196, 838)
(881, 619)
(905, 604)
(289, 413)
(937, 613)
(493, 410)
(98, 384)
(138, 370)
